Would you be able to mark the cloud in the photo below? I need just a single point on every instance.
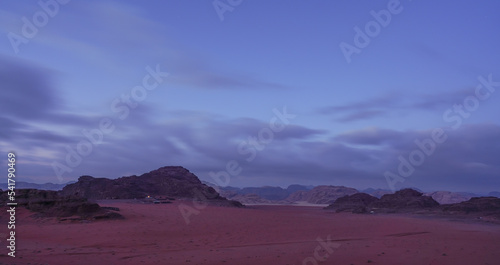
(465, 159)
(441, 101)
(384, 105)
(27, 90)
(208, 79)
(362, 110)
(375, 103)
(361, 115)
(103, 31)
(369, 136)
(37, 127)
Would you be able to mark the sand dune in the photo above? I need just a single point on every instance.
(158, 234)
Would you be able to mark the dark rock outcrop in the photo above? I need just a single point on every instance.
(356, 203)
(405, 199)
(481, 208)
(50, 204)
(171, 181)
(475, 205)
(412, 201)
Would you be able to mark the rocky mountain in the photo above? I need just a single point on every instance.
(321, 194)
(480, 208)
(401, 201)
(295, 187)
(272, 193)
(250, 199)
(405, 199)
(266, 194)
(412, 201)
(300, 195)
(448, 197)
(232, 194)
(356, 203)
(475, 204)
(171, 181)
(51, 204)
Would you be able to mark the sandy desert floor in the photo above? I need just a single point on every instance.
(158, 234)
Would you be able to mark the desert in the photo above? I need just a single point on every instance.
(158, 234)
(173, 218)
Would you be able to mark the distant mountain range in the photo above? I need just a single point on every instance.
(28, 185)
(447, 197)
(323, 194)
(263, 195)
(175, 182)
(494, 194)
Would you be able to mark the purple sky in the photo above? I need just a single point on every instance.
(383, 94)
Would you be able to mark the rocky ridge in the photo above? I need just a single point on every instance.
(50, 204)
(171, 181)
(412, 201)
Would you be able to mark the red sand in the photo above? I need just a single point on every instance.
(158, 234)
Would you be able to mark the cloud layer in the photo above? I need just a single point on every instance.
(32, 117)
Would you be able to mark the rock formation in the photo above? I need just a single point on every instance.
(172, 181)
(412, 201)
(250, 199)
(50, 204)
(475, 205)
(321, 194)
(448, 197)
(356, 203)
(405, 199)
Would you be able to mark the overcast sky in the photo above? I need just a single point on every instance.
(382, 94)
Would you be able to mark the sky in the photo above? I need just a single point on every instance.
(380, 94)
